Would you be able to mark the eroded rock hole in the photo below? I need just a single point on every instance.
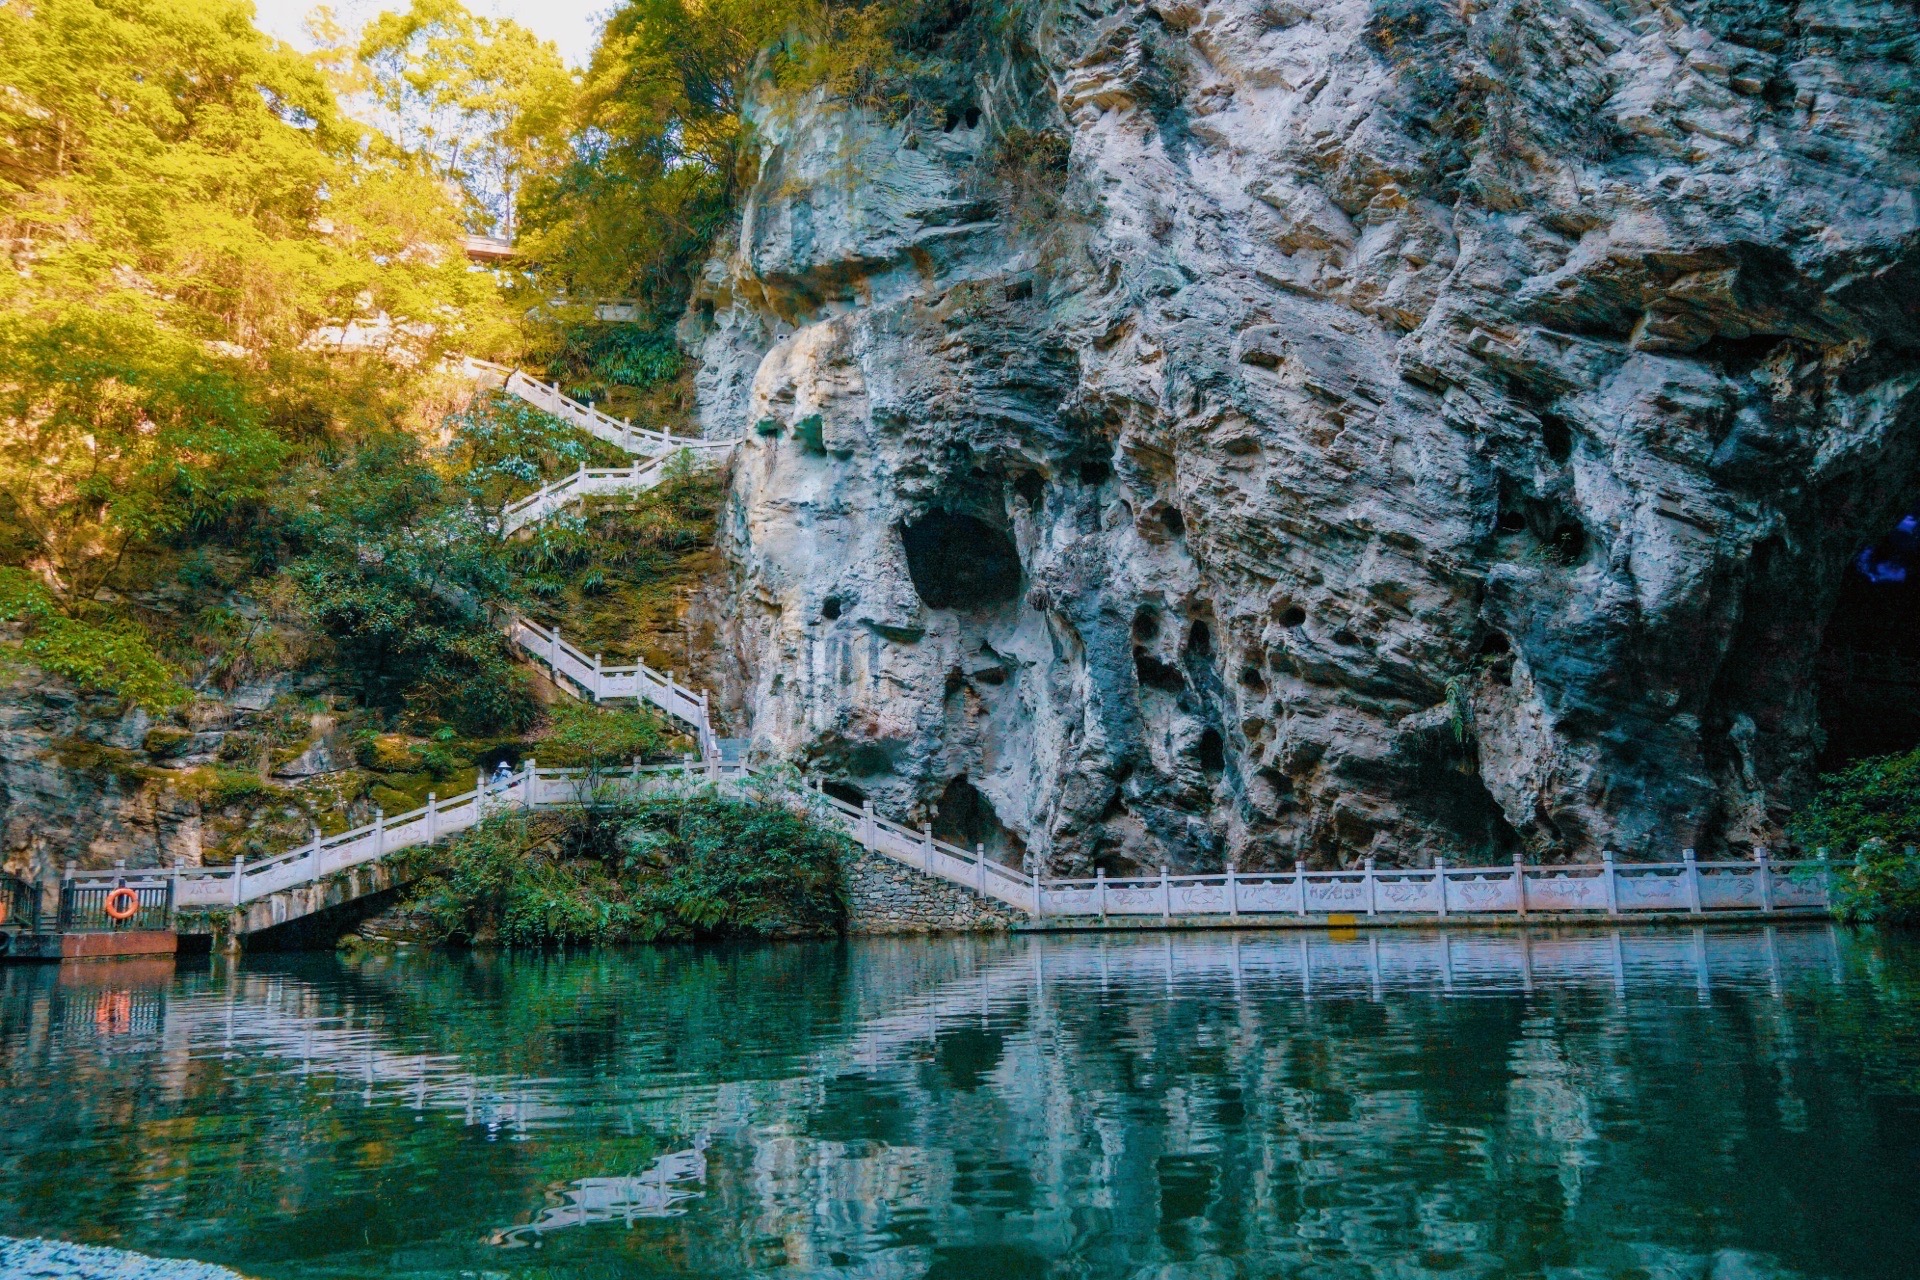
(1210, 752)
(964, 817)
(1200, 640)
(1155, 674)
(1548, 522)
(1176, 524)
(1868, 669)
(1294, 616)
(830, 608)
(1557, 436)
(960, 562)
(844, 791)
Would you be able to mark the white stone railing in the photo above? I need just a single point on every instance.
(529, 788)
(596, 682)
(1609, 888)
(643, 441)
(1605, 888)
(535, 788)
(590, 482)
(615, 431)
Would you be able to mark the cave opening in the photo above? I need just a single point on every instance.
(964, 817)
(1868, 669)
(958, 561)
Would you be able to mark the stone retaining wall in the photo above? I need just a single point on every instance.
(885, 896)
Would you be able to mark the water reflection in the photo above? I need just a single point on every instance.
(1717, 1102)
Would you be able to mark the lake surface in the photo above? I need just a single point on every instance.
(1717, 1104)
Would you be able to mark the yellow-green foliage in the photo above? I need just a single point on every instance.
(114, 656)
(184, 209)
(613, 577)
(598, 738)
(477, 97)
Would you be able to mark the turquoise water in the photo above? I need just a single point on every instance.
(1722, 1104)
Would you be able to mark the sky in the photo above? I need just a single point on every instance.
(571, 24)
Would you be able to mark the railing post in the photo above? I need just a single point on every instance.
(1440, 882)
(1693, 881)
(479, 794)
(1764, 872)
(1366, 872)
(433, 817)
(313, 858)
(1100, 891)
(598, 687)
(1166, 894)
(980, 867)
(533, 777)
(1612, 886)
(1300, 884)
(866, 824)
(1826, 878)
(926, 846)
(379, 833)
(1233, 893)
(553, 648)
(1520, 883)
(239, 879)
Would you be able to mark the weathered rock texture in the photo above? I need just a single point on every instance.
(1423, 427)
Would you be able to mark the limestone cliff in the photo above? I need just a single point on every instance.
(1259, 429)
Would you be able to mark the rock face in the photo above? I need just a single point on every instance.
(1264, 430)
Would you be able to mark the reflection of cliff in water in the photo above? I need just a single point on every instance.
(1597, 1101)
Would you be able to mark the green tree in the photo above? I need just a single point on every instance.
(187, 211)
(477, 97)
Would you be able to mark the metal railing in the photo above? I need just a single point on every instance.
(83, 902)
(19, 904)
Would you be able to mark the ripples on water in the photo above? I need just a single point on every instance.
(1719, 1104)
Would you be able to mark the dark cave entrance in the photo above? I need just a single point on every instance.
(960, 561)
(1868, 670)
(966, 818)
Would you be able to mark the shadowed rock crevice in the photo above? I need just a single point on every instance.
(960, 561)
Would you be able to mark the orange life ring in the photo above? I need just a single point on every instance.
(122, 904)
